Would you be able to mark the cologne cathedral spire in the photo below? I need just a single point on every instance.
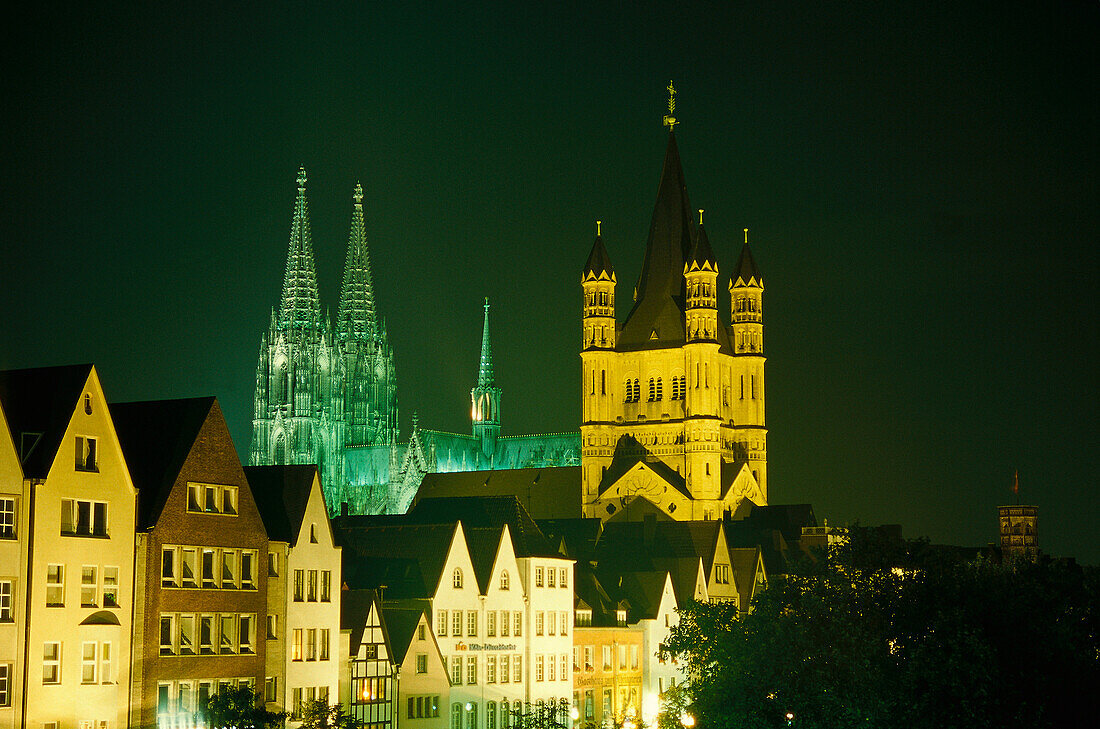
(356, 316)
(301, 305)
(485, 370)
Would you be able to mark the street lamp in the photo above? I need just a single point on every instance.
(687, 720)
(574, 714)
(790, 718)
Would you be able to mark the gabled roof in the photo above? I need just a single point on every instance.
(355, 607)
(484, 545)
(401, 627)
(629, 453)
(577, 536)
(787, 518)
(282, 494)
(408, 559)
(546, 493)
(643, 592)
(156, 437)
(599, 263)
(41, 402)
(481, 512)
(744, 562)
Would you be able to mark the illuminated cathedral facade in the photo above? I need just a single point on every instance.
(326, 393)
(673, 396)
(323, 386)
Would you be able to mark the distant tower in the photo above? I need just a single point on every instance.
(598, 334)
(702, 419)
(485, 398)
(1019, 528)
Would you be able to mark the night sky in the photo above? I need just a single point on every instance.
(919, 181)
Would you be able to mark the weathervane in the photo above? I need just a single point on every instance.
(670, 120)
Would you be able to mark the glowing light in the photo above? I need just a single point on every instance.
(574, 713)
(687, 720)
(469, 706)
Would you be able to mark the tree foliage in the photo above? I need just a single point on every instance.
(240, 708)
(898, 633)
(542, 715)
(318, 714)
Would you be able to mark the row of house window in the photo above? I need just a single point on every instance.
(179, 700)
(582, 657)
(95, 662)
(423, 707)
(208, 568)
(98, 587)
(205, 498)
(305, 642)
(457, 579)
(562, 580)
(548, 621)
(471, 623)
(189, 634)
(303, 695)
(548, 662)
(496, 669)
(307, 582)
(81, 518)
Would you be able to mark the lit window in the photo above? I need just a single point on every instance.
(89, 587)
(296, 645)
(229, 569)
(89, 661)
(187, 635)
(311, 587)
(83, 518)
(5, 602)
(299, 585)
(86, 454)
(228, 634)
(55, 585)
(7, 518)
(326, 585)
(51, 663)
(311, 644)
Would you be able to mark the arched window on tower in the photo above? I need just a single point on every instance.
(456, 578)
(280, 450)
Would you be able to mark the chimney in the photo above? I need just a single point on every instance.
(343, 508)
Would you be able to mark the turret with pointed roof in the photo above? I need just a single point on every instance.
(485, 398)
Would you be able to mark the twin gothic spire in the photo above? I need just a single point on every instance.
(301, 303)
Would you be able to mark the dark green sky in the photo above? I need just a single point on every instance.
(920, 180)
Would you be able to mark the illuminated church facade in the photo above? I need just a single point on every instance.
(673, 396)
(326, 393)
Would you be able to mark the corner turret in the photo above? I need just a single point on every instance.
(598, 282)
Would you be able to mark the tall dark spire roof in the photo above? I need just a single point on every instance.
(657, 316)
(745, 270)
(356, 315)
(301, 303)
(485, 369)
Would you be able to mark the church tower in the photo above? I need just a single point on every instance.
(320, 389)
(664, 429)
(485, 398)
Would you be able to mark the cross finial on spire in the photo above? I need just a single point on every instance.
(598, 227)
(486, 303)
(301, 178)
(700, 216)
(358, 195)
(670, 120)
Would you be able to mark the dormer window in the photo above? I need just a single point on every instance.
(456, 579)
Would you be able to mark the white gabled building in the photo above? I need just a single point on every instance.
(80, 507)
(422, 684)
(498, 596)
(304, 584)
(14, 543)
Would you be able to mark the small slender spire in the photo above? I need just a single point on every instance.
(598, 222)
(700, 216)
(356, 316)
(746, 233)
(301, 304)
(485, 370)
